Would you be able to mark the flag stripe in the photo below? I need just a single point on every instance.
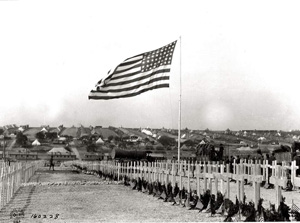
(138, 88)
(136, 57)
(111, 73)
(125, 75)
(138, 78)
(127, 62)
(106, 97)
(135, 86)
(133, 83)
(127, 66)
(138, 65)
(132, 71)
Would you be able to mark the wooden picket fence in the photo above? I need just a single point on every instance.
(201, 176)
(12, 176)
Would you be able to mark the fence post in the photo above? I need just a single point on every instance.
(3, 185)
(198, 179)
(127, 169)
(204, 176)
(119, 167)
(216, 178)
(162, 173)
(134, 170)
(137, 173)
(143, 172)
(155, 177)
(264, 169)
(12, 181)
(148, 167)
(140, 168)
(123, 170)
(210, 179)
(8, 185)
(222, 180)
(241, 181)
(167, 175)
(159, 170)
(152, 174)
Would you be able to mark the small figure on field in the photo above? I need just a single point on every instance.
(272, 158)
(260, 155)
(51, 163)
(248, 157)
(267, 156)
(221, 151)
(238, 160)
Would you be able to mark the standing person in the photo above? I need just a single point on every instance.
(248, 157)
(51, 163)
(272, 158)
(267, 156)
(221, 151)
(238, 159)
(259, 155)
(212, 153)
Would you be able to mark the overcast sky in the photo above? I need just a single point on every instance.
(240, 62)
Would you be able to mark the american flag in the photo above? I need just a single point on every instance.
(137, 74)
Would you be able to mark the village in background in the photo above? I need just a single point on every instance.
(26, 143)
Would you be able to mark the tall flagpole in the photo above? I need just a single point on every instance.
(179, 116)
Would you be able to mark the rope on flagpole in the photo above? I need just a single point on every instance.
(179, 116)
(171, 110)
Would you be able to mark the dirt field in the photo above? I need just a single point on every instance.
(86, 198)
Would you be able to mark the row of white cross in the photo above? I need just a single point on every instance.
(187, 174)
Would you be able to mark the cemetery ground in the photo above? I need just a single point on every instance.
(65, 196)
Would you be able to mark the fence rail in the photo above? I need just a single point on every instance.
(12, 176)
(215, 176)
